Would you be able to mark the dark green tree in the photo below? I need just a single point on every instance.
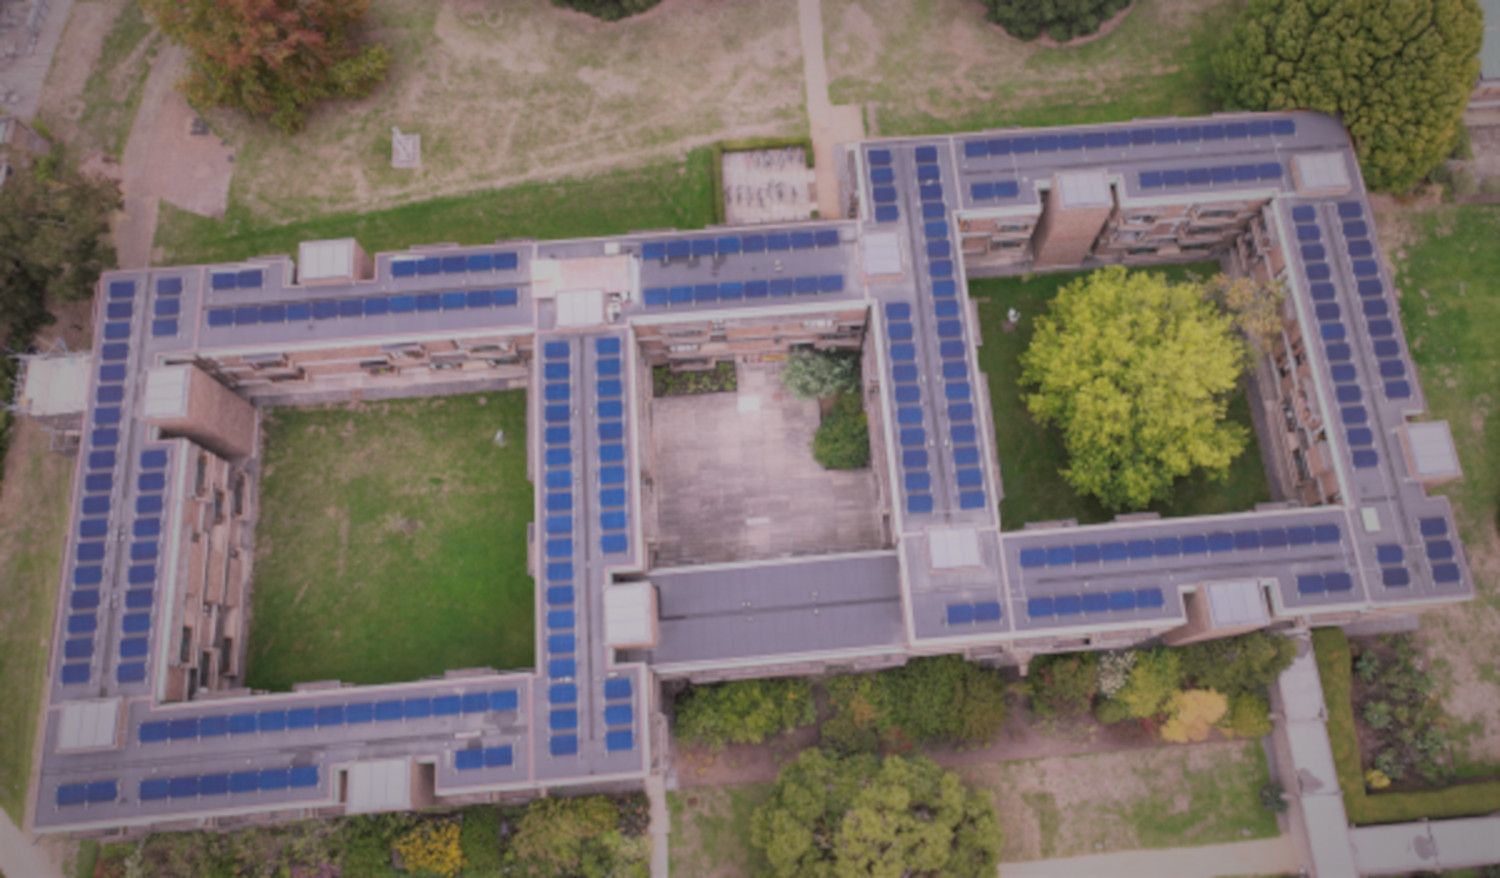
(608, 10)
(843, 438)
(743, 711)
(272, 58)
(1062, 20)
(54, 242)
(831, 817)
(1063, 685)
(943, 699)
(1398, 72)
(1248, 663)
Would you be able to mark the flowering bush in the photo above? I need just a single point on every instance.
(432, 847)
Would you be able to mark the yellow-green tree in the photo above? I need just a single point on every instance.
(1192, 714)
(1397, 72)
(1136, 372)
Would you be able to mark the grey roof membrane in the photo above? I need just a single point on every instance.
(578, 717)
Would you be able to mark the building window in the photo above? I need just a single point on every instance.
(826, 323)
(1013, 227)
(200, 475)
(205, 661)
(239, 495)
(1142, 217)
(185, 649)
(218, 506)
(1219, 212)
(682, 348)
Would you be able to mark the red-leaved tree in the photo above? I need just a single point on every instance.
(273, 58)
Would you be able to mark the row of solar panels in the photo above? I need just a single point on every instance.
(1214, 176)
(373, 306)
(327, 716)
(1122, 601)
(1214, 542)
(192, 786)
(455, 263)
(729, 245)
(1117, 138)
(1440, 551)
(1324, 583)
(561, 619)
(166, 307)
(616, 739)
(978, 613)
(661, 297)
(243, 279)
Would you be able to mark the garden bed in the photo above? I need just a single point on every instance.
(722, 378)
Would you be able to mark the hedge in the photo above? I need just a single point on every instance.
(1331, 647)
(746, 145)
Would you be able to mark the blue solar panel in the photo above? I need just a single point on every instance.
(919, 504)
(503, 700)
(982, 191)
(887, 214)
(1149, 598)
(928, 172)
(465, 760)
(1397, 389)
(1348, 393)
(1381, 328)
(1375, 308)
(975, 149)
(1395, 577)
(932, 210)
(1355, 230)
(301, 718)
(960, 614)
(1059, 556)
(1309, 233)
(1040, 607)
(1152, 179)
(1445, 573)
(74, 674)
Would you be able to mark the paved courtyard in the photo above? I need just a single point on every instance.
(767, 186)
(736, 480)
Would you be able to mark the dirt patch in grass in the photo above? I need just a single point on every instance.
(507, 93)
(939, 65)
(98, 74)
(390, 542)
(711, 831)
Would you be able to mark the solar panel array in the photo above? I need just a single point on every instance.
(734, 291)
(1440, 549)
(609, 417)
(1375, 304)
(453, 263)
(972, 613)
(619, 715)
(142, 575)
(1095, 603)
(193, 786)
(560, 390)
(92, 793)
(1213, 542)
(326, 716)
(239, 279)
(731, 245)
(370, 306)
(1120, 138)
(1218, 175)
(166, 307)
(882, 193)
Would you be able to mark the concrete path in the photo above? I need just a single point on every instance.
(1270, 856)
(26, 75)
(829, 124)
(20, 856)
(661, 826)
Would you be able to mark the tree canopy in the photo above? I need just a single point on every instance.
(272, 58)
(927, 701)
(1062, 20)
(608, 10)
(1248, 663)
(1136, 373)
(817, 374)
(1398, 72)
(743, 711)
(54, 242)
(832, 817)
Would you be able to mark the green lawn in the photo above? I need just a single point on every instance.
(661, 195)
(31, 544)
(936, 66)
(1450, 306)
(1164, 797)
(711, 830)
(1031, 456)
(391, 541)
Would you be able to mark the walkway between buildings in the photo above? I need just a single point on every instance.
(661, 825)
(20, 857)
(829, 124)
(1267, 856)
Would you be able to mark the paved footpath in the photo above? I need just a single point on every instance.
(1268, 856)
(19, 857)
(829, 124)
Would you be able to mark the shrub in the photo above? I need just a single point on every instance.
(432, 846)
(1249, 716)
(843, 735)
(1273, 797)
(1247, 663)
(1491, 187)
(721, 379)
(608, 10)
(843, 439)
(1376, 779)
(1155, 678)
(1062, 20)
(820, 374)
(744, 711)
(1464, 184)
(1062, 685)
(930, 700)
(479, 838)
(555, 835)
(1114, 671)
(1111, 711)
(1192, 714)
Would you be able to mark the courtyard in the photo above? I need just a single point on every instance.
(391, 541)
(736, 480)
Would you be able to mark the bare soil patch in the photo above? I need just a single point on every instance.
(62, 102)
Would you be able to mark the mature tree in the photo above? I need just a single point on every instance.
(1247, 663)
(1398, 72)
(1062, 20)
(1156, 677)
(1063, 685)
(1259, 309)
(568, 836)
(54, 242)
(609, 10)
(818, 374)
(928, 701)
(843, 438)
(743, 711)
(1136, 372)
(831, 817)
(273, 58)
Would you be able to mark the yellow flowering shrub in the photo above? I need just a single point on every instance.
(432, 847)
(1192, 714)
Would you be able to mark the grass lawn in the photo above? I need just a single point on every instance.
(33, 530)
(711, 831)
(661, 195)
(391, 542)
(1031, 456)
(1165, 797)
(504, 93)
(1448, 272)
(935, 66)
